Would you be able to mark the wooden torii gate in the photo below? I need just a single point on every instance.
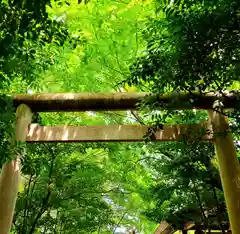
(28, 132)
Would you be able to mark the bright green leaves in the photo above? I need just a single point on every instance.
(26, 29)
(64, 192)
(111, 38)
(180, 48)
(26, 32)
(7, 120)
(186, 184)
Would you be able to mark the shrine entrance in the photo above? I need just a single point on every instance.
(212, 131)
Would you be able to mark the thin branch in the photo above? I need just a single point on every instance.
(26, 205)
(137, 117)
(46, 199)
(120, 220)
(102, 193)
(30, 198)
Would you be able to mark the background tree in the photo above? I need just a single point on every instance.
(190, 46)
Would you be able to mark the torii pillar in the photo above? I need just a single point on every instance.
(10, 174)
(228, 166)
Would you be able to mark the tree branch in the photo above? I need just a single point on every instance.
(46, 199)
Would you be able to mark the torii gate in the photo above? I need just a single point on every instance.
(27, 132)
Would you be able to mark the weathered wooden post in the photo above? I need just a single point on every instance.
(10, 174)
(228, 165)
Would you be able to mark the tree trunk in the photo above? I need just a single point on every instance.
(198, 230)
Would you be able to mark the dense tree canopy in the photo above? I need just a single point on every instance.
(191, 46)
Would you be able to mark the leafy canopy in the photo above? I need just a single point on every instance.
(191, 46)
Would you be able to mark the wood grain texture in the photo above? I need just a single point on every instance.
(229, 167)
(114, 133)
(56, 102)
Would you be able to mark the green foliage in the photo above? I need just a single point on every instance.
(81, 187)
(27, 32)
(187, 185)
(62, 192)
(25, 29)
(190, 46)
(6, 127)
(111, 38)
(100, 188)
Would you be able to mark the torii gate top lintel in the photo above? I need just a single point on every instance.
(56, 102)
